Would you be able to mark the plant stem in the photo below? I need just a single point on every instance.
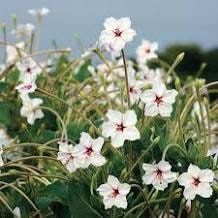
(126, 78)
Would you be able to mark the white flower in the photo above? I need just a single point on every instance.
(120, 127)
(24, 30)
(159, 175)
(29, 70)
(26, 87)
(147, 75)
(68, 155)
(13, 52)
(114, 193)
(114, 53)
(30, 109)
(146, 51)
(117, 33)
(89, 150)
(135, 90)
(159, 100)
(39, 12)
(196, 182)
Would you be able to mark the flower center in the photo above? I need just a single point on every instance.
(88, 151)
(158, 173)
(147, 50)
(158, 100)
(115, 193)
(117, 33)
(120, 127)
(132, 90)
(28, 70)
(29, 86)
(196, 181)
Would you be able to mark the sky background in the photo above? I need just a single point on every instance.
(165, 21)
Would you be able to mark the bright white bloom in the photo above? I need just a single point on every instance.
(30, 109)
(117, 33)
(114, 193)
(135, 90)
(120, 127)
(159, 100)
(159, 175)
(89, 150)
(196, 182)
(68, 155)
(26, 87)
(146, 51)
(13, 52)
(39, 12)
(29, 70)
(24, 30)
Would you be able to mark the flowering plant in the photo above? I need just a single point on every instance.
(119, 138)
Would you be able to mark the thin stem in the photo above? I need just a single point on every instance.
(126, 79)
(75, 110)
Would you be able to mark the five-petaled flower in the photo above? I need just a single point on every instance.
(89, 151)
(114, 193)
(31, 110)
(196, 182)
(146, 51)
(120, 127)
(68, 155)
(29, 70)
(117, 33)
(159, 175)
(158, 100)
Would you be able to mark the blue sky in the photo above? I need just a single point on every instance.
(165, 21)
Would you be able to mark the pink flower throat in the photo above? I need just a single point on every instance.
(117, 33)
(120, 127)
(158, 100)
(115, 193)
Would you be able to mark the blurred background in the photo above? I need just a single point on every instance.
(182, 25)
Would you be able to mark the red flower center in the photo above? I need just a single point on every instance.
(158, 100)
(28, 70)
(158, 173)
(115, 193)
(132, 90)
(88, 151)
(147, 50)
(120, 127)
(196, 181)
(117, 33)
(29, 86)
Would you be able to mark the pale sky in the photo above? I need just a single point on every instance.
(165, 21)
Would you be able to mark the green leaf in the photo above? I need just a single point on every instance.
(56, 192)
(5, 117)
(80, 205)
(83, 72)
